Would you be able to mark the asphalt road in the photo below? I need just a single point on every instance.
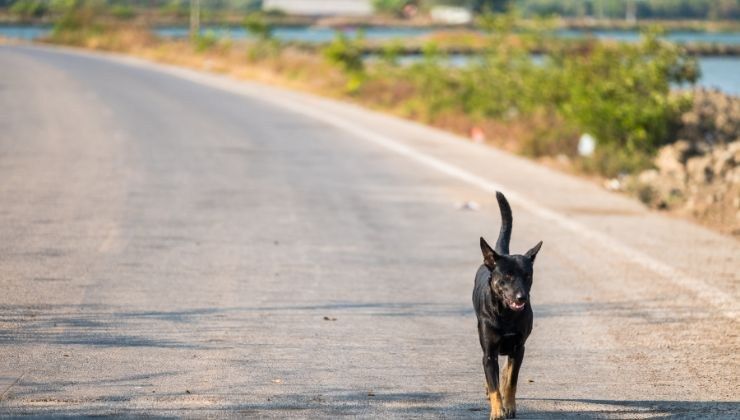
(171, 243)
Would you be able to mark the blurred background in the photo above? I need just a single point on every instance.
(641, 94)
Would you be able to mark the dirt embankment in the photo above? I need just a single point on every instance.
(699, 175)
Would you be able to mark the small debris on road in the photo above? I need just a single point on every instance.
(613, 184)
(468, 205)
(477, 135)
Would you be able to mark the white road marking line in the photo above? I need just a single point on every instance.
(709, 293)
(11, 385)
(703, 290)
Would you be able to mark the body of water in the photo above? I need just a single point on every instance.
(723, 38)
(323, 34)
(717, 72)
(24, 31)
(721, 73)
(314, 35)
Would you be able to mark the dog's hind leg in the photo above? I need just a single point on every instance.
(510, 377)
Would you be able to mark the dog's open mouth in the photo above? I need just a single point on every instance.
(515, 306)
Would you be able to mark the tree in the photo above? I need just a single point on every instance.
(391, 7)
(496, 6)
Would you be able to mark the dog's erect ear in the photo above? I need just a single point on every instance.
(532, 253)
(489, 255)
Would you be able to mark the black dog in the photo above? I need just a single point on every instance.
(501, 301)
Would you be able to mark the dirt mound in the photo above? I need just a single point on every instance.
(699, 175)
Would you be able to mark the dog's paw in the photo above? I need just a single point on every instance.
(510, 413)
(498, 414)
(509, 405)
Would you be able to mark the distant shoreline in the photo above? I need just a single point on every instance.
(585, 24)
(456, 41)
(698, 50)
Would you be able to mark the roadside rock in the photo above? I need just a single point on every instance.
(714, 118)
(699, 175)
(700, 169)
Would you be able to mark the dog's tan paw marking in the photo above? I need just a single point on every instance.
(498, 416)
(497, 408)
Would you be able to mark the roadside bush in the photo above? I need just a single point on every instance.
(346, 54)
(390, 7)
(77, 20)
(205, 41)
(437, 86)
(123, 12)
(391, 53)
(176, 8)
(266, 46)
(548, 134)
(29, 9)
(619, 93)
(256, 25)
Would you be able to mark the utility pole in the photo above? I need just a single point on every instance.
(631, 15)
(194, 18)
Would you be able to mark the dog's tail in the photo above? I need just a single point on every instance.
(504, 235)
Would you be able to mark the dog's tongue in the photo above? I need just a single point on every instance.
(517, 306)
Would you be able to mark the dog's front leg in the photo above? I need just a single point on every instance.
(490, 367)
(511, 375)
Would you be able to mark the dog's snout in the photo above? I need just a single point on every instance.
(521, 297)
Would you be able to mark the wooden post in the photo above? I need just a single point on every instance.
(194, 18)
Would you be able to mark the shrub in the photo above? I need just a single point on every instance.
(256, 24)
(346, 53)
(391, 7)
(176, 8)
(123, 12)
(205, 41)
(29, 9)
(620, 94)
(617, 92)
(77, 19)
(437, 86)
